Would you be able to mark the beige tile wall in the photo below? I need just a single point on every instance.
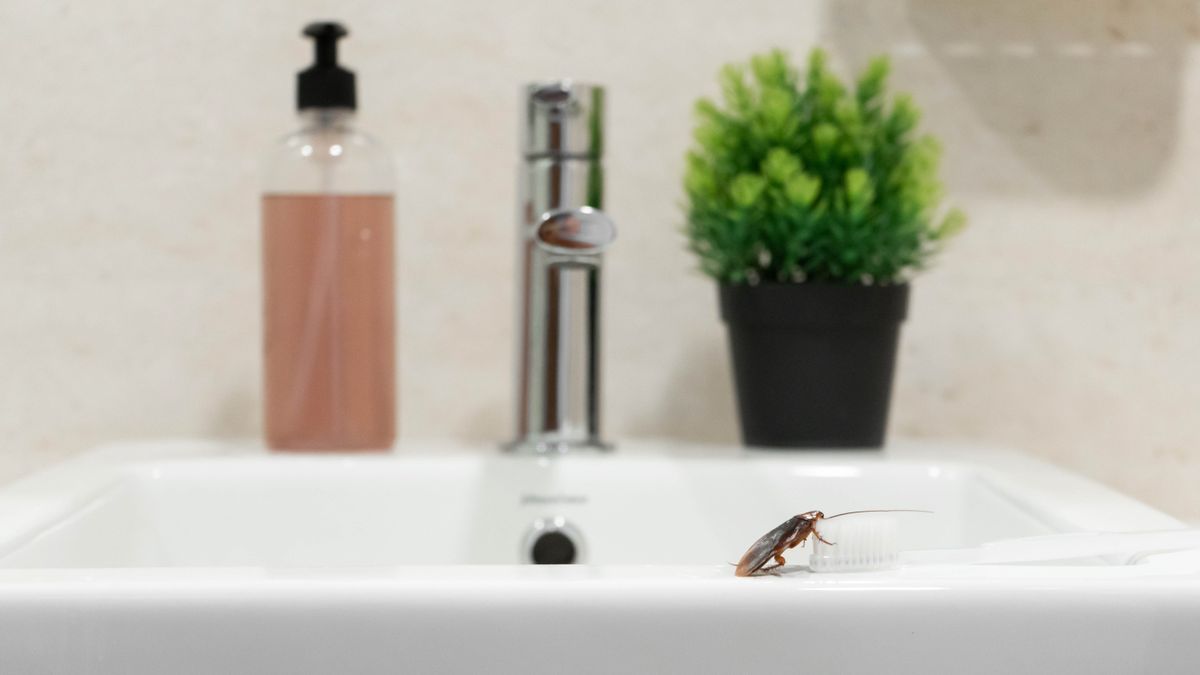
(1065, 322)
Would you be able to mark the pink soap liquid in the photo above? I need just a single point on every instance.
(329, 322)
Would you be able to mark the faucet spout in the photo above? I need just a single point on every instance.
(562, 235)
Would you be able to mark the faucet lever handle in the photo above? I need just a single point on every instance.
(581, 231)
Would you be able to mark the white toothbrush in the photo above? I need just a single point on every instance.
(872, 542)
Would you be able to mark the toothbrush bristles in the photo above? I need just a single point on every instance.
(871, 543)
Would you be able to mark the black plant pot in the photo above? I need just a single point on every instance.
(812, 363)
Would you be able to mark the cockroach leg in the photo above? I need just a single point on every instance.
(823, 539)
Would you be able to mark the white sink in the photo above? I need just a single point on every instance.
(204, 558)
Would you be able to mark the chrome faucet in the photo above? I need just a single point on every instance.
(562, 235)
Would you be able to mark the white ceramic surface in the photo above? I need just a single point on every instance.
(201, 558)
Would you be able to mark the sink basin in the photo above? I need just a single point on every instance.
(319, 511)
(191, 557)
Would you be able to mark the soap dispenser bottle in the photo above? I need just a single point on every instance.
(328, 279)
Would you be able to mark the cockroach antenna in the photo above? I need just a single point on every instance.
(848, 513)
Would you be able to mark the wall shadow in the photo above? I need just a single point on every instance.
(1085, 94)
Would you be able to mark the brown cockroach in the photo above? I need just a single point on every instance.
(789, 534)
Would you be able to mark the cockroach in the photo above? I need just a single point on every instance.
(789, 534)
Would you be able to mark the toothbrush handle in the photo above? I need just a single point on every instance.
(1059, 547)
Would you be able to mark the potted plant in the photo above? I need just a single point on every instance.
(812, 204)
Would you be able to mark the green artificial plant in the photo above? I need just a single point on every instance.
(800, 179)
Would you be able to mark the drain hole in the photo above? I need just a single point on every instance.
(553, 548)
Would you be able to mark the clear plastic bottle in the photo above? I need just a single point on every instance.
(328, 271)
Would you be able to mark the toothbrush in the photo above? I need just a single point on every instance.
(871, 542)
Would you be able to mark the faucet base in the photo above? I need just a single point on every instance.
(554, 446)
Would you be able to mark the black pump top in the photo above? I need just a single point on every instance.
(325, 84)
